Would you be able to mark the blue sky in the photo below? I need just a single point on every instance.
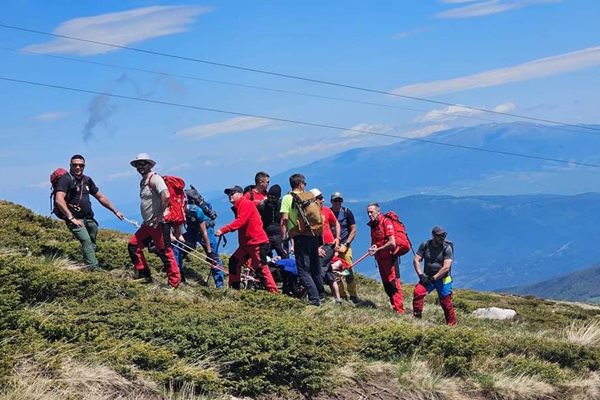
(533, 57)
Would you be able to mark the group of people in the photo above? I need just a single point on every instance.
(296, 230)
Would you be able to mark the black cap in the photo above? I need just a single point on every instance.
(275, 191)
(233, 189)
(438, 230)
(336, 195)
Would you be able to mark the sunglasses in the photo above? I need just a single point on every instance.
(141, 163)
(319, 197)
(441, 235)
(337, 200)
(77, 165)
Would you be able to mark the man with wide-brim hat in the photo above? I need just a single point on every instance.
(144, 157)
(154, 196)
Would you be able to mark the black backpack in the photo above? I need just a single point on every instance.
(195, 198)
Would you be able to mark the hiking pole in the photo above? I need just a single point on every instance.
(360, 259)
(132, 222)
(197, 254)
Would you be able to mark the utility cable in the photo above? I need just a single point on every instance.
(297, 122)
(296, 77)
(275, 90)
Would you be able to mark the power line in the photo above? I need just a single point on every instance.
(296, 77)
(297, 122)
(276, 90)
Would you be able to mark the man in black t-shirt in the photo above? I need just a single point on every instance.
(437, 254)
(72, 204)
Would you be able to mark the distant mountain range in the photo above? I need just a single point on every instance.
(581, 285)
(508, 240)
(407, 167)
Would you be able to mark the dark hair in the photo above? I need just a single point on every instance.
(260, 175)
(296, 180)
(77, 157)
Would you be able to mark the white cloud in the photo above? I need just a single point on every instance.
(40, 185)
(536, 69)
(425, 131)
(457, 111)
(179, 167)
(322, 147)
(119, 28)
(238, 124)
(51, 116)
(365, 128)
(120, 175)
(411, 32)
(488, 7)
(457, 1)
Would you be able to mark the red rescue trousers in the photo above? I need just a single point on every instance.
(140, 239)
(390, 277)
(444, 289)
(257, 254)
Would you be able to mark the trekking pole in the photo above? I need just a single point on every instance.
(360, 259)
(197, 254)
(132, 222)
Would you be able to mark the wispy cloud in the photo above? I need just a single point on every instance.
(40, 185)
(403, 35)
(120, 28)
(120, 175)
(51, 116)
(488, 7)
(541, 68)
(233, 125)
(425, 131)
(179, 167)
(366, 129)
(453, 112)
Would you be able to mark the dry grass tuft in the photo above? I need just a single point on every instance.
(521, 387)
(584, 389)
(583, 334)
(75, 380)
(67, 264)
(420, 382)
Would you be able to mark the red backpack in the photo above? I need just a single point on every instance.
(403, 244)
(177, 199)
(54, 178)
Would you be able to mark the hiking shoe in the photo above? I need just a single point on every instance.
(417, 316)
(338, 301)
(143, 279)
(354, 299)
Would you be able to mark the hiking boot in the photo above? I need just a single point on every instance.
(417, 315)
(354, 299)
(338, 301)
(142, 277)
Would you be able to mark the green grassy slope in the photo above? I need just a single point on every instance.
(67, 333)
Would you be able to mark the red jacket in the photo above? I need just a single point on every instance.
(381, 229)
(247, 222)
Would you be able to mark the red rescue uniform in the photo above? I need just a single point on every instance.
(253, 244)
(382, 229)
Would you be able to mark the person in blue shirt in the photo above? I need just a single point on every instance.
(200, 229)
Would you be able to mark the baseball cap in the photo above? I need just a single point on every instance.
(336, 195)
(438, 230)
(233, 189)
